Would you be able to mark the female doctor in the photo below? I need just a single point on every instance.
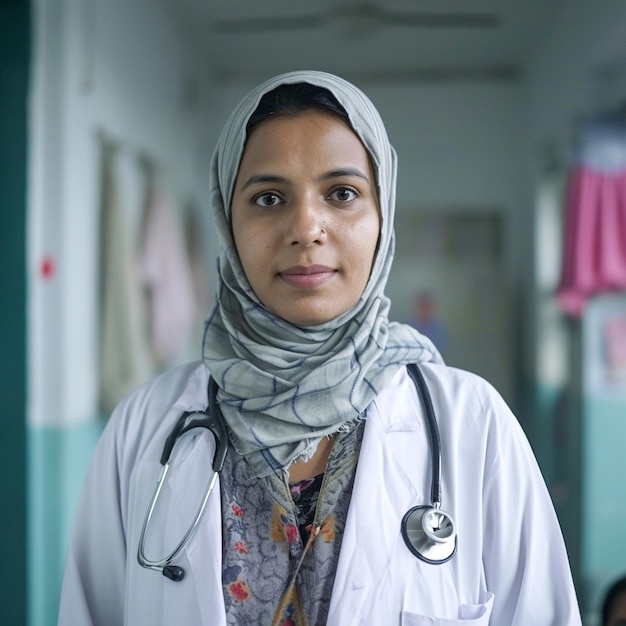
(362, 481)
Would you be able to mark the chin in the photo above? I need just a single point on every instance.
(309, 313)
(311, 319)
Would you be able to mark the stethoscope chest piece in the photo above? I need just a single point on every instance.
(429, 534)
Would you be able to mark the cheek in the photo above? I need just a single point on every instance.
(360, 245)
(366, 240)
(246, 244)
(255, 251)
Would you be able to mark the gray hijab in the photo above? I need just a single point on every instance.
(283, 387)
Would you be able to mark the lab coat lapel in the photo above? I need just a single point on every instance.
(383, 492)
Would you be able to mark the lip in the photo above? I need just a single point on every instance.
(307, 276)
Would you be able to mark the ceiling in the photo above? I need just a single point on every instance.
(361, 40)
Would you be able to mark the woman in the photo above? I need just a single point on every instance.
(328, 443)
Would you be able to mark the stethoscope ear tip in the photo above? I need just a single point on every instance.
(174, 572)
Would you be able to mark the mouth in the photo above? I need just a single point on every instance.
(307, 276)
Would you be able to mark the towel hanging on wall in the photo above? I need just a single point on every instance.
(125, 360)
(166, 274)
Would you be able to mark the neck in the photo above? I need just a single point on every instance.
(316, 465)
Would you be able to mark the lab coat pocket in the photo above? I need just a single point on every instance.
(470, 614)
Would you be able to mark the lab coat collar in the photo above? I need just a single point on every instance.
(194, 396)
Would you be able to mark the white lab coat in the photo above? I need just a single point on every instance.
(511, 568)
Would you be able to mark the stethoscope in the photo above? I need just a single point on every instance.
(428, 531)
(213, 421)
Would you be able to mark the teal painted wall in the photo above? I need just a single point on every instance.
(603, 494)
(57, 461)
(14, 77)
(556, 442)
(603, 449)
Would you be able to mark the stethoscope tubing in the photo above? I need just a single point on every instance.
(212, 419)
(433, 432)
(161, 563)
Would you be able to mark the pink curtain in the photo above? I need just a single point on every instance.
(594, 246)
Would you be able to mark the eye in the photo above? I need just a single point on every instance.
(267, 199)
(343, 194)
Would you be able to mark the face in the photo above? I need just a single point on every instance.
(305, 216)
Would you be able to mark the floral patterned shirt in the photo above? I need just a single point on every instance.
(281, 542)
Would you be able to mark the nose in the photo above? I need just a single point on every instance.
(307, 224)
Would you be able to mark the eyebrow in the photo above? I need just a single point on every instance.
(345, 171)
(256, 179)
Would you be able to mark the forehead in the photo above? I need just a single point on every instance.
(307, 134)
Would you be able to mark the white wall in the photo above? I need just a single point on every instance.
(565, 73)
(122, 69)
(459, 152)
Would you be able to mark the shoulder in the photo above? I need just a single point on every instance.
(450, 389)
(445, 381)
(464, 391)
(472, 414)
(182, 385)
(468, 409)
(144, 410)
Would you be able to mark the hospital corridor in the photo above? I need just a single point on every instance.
(508, 120)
